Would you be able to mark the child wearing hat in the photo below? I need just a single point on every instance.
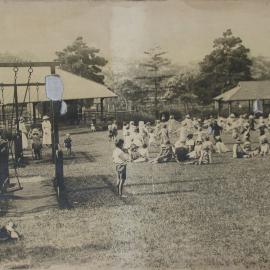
(120, 159)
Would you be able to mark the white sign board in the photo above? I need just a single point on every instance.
(54, 87)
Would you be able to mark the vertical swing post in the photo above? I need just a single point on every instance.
(55, 109)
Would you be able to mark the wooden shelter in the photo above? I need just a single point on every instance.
(76, 89)
(245, 94)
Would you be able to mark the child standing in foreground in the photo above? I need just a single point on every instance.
(120, 159)
(67, 144)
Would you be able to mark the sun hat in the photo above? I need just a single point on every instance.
(46, 117)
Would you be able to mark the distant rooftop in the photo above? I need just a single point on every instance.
(75, 87)
(247, 90)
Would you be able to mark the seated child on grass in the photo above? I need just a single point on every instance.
(181, 150)
(144, 154)
(67, 144)
(238, 151)
(166, 154)
(220, 146)
(197, 150)
(206, 152)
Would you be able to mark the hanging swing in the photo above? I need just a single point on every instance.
(14, 159)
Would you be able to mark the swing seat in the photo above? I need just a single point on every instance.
(13, 189)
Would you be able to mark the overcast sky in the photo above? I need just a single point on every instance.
(123, 30)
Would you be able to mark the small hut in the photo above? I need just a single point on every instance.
(244, 96)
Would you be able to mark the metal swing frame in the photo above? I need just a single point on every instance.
(15, 85)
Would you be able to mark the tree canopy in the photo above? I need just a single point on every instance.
(227, 64)
(82, 60)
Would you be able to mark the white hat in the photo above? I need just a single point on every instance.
(187, 116)
(232, 115)
(45, 117)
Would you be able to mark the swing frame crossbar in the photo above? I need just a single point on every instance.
(31, 64)
(21, 84)
(52, 65)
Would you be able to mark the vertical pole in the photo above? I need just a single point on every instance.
(4, 116)
(16, 107)
(101, 108)
(230, 107)
(156, 101)
(55, 110)
(34, 112)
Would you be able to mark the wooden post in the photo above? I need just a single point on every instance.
(16, 108)
(101, 108)
(230, 107)
(34, 113)
(55, 113)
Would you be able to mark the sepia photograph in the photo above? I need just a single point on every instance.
(134, 134)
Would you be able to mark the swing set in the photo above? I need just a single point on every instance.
(15, 140)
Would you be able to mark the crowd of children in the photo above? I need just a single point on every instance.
(192, 141)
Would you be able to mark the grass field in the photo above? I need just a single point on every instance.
(175, 216)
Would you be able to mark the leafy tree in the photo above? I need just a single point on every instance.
(224, 67)
(181, 87)
(131, 92)
(154, 68)
(80, 59)
(260, 69)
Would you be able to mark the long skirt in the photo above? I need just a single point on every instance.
(24, 141)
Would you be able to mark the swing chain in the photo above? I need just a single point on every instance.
(15, 69)
(30, 71)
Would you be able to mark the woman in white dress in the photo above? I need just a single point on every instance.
(47, 131)
(24, 133)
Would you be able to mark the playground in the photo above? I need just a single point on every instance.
(174, 216)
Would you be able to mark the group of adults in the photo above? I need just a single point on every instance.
(45, 133)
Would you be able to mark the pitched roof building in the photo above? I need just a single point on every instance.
(246, 92)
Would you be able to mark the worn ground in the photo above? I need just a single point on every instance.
(175, 216)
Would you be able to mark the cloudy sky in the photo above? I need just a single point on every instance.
(124, 29)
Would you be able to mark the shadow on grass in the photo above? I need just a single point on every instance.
(45, 253)
(94, 191)
(79, 156)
